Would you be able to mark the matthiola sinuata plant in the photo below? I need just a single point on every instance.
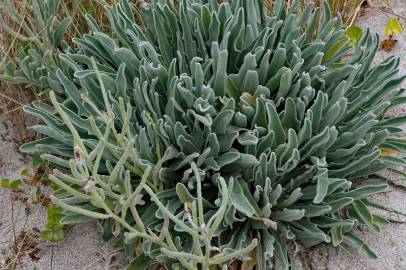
(216, 131)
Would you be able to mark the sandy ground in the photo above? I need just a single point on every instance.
(83, 248)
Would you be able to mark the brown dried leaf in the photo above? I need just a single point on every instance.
(138, 249)
(251, 99)
(26, 243)
(39, 177)
(234, 266)
(388, 44)
(35, 181)
(249, 265)
(271, 224)
(44, 200)
(33, 255)
(16, 195)
(388, 152)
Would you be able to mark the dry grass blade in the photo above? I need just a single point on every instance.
(348, 9)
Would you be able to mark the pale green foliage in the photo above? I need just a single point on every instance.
(42, 29)
(215, 130)
(40, 33)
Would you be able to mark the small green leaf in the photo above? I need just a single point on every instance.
(45, 177)
(53, 235)
(54, 231)
(393, 27)
(355, 34)
(5, 183)
(37, 161)
(16, 184)
(337, 236)
(12, 185)
(25, 172)
(183, 193)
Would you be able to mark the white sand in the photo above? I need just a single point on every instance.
(82, 247)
